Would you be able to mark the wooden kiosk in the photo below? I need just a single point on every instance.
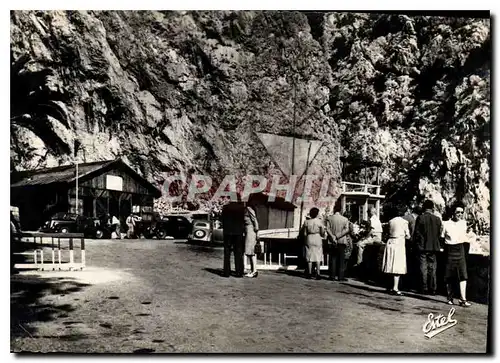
(282, 250)
(358, 197)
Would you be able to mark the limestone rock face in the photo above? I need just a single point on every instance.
(189, 91)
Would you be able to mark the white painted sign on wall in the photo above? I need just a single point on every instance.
(114, 182)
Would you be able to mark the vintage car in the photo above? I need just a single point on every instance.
(72, 223)
(202, 231)
(177, 226)
(205, 231)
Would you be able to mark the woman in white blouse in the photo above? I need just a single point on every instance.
(455, 235)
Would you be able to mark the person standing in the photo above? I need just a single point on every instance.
(251, 229)
(374, 234)
(455, 235)
(337, 229)
(130, 221)
(394, 260)
(426, 237)
(412, 261)
(233, 229)
(115, 226)
(353, 231)
(411, 217)
(312, 232)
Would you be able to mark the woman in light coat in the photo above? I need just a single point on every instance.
(251, 229)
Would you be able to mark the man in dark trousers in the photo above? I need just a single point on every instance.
(426, 239)
(337, 230)
(233, 226)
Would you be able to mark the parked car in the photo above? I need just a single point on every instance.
(154, 225)
(201, 232)
(178, 226)
(207, 231)
(151, 224)
(72, 223)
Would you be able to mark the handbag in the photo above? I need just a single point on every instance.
(258, 248)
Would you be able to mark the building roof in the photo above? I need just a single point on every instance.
(67, 175)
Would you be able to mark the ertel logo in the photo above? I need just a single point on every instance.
(438, 324)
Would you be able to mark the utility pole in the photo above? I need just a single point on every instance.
(305, 173)
(293, 140)
(76, 202)
(76, 145)
(293, 124)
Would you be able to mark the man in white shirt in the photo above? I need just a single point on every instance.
(130, 222)
(374, 236)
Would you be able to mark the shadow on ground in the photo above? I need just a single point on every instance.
(27, 307)
(219, 272)
(215, 271)
(294, 273)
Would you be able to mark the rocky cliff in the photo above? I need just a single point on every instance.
(188, 91)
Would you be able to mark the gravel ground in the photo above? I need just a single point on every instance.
(166, 296)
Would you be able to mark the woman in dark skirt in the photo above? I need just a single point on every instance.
(455, 235)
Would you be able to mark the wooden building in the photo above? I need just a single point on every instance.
(273, 214)
(103, 187)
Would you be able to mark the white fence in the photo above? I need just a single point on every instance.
(50, 251)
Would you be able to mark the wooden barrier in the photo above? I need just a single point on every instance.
(32, 244)
(282, 254)
(281, 250)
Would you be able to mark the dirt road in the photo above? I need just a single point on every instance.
(166, 296)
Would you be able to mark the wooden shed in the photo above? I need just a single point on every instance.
(103, 187)
(273, 214)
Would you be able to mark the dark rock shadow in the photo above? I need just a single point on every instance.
(26, 292)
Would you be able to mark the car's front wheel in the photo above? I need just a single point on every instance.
(99, 234)
(64, 230)
(161, 233)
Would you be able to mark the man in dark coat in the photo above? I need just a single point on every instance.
(338, 230)
(233, 227)
(426, 240)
